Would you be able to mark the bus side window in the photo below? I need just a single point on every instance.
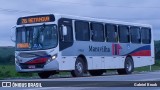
(135, 34)
(123, 32)
(111, 33)
(146, 35)
(98, 32)
(82, 31)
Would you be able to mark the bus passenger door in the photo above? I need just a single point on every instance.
(65, 44)
(65, 41)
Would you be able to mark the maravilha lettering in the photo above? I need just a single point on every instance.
(99, 49)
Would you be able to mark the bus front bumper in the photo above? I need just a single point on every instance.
(51, 66)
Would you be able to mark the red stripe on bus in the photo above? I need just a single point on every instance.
(113, 51)
(38, 61)
(142, 53)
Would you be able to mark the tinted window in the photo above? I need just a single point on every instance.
(135, 34)
(123, 34)
(66, 37)
(69, 36)
(82, 31)
(111, 33)
(146, 35)
(97, 32)
(36, 37)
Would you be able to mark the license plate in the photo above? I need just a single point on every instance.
(31, 66)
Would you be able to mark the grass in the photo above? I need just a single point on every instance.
(147, 68)
(154, 67)
(8, 71)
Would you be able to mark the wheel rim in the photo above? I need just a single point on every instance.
(79, 67)
(129, 66)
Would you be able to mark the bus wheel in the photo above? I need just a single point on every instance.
(96, 72)
(44, 75)
(128, 67)
(79, 68)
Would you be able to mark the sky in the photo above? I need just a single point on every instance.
(137, 11)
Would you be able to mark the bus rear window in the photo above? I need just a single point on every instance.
(146, 35)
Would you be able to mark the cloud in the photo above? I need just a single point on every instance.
(141, 11)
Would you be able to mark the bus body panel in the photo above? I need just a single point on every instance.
(99, 55)
(67, 63)
(102, 56)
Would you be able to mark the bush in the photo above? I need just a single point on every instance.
(7, 60)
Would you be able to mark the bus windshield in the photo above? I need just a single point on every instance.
(36, 37)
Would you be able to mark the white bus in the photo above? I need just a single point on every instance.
(48, 44)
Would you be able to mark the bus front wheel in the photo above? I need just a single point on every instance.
(79, 68)
(44, 75)
(128, 67)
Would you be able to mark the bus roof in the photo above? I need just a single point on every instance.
(102, 20)
(92, 19)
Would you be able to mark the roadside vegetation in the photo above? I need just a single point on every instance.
(8, 71)
(7, 67)
(154, 67)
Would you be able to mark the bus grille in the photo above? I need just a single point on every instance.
(32, 54)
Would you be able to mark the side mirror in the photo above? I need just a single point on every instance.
(64, 30)
(13, 34)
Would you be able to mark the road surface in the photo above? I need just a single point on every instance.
(145, 77)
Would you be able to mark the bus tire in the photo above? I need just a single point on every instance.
(44, 75)
(128, 67)
(96, 72)
(79, 68)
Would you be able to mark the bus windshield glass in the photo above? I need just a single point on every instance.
(36, 37)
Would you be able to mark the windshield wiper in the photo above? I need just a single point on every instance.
(43, 27)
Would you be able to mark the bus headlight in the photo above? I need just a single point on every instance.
(52, 58)
(18, 61)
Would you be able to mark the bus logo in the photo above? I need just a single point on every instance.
(116, 49)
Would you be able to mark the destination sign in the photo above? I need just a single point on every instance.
(23, 45)
(35, 19)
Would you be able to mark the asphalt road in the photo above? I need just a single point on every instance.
(96, 82)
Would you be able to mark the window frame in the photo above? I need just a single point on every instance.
(137, 28)
(115, 38)
(71, 38)
(102, 39)
(75, 24)
(149, 38)
(121, 37)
